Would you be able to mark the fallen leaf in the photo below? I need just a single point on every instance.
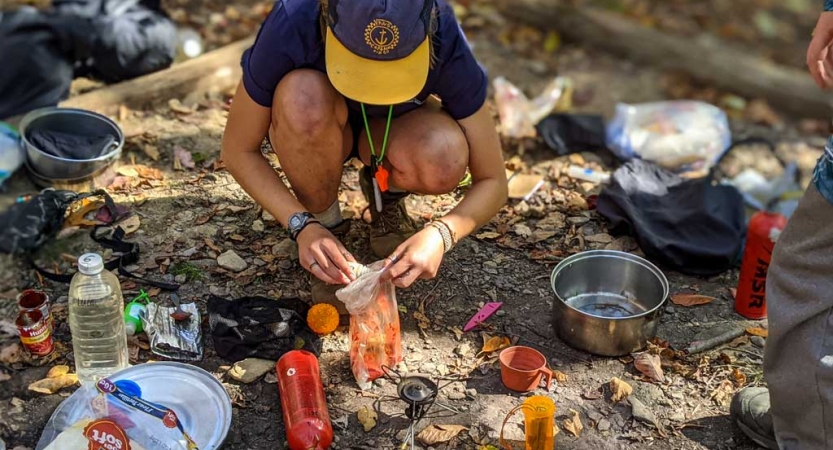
(573, 424)
(131, 224)
(367, 417)
(458, 333)
(721, 395)
(641, 413)
(488, 235)
(734, 293)
(592, 394)
(724, 358)
(560, 376)
(738, 377)
(237, 209)
(691, 299)
(151, 151)
(58, 371)
(601, 238)
(138, 342)
(438, 434)
(620, 389)
(154, 291)
(237, 237)
(495, 343)
(755, 331)
(422, 320)
(132, 353)
(50, 386)
(541, 235)
(176, 106)
(183, 158)
(127, 171)
(650, 365)
(119, 183)
(203, 219)
(148, 172)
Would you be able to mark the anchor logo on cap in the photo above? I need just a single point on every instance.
(382, 36)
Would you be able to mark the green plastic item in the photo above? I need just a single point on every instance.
(134, 311)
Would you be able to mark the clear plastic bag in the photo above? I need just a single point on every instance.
(112, 416)
(375, 338)
(518, 114)
(677, 135)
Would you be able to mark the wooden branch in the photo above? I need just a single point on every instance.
(704, 57)
(708, 344)
(215, 70)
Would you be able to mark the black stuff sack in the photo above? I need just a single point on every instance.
(259, 327)
(691, 226)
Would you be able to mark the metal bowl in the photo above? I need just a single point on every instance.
(68, 120)
(607, 303)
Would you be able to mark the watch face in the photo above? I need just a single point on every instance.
(295, 221)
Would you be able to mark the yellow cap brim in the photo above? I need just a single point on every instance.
(376, 82)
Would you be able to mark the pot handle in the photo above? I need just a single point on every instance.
(547, 373)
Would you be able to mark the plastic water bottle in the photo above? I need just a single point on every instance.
(304, 405)
(589, 175)
(96, 320)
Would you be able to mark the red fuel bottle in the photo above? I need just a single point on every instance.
(763, 231)
(304, 405)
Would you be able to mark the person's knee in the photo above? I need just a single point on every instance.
(439, 160)
(306, 104)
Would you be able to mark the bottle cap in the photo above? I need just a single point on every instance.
(90, 264)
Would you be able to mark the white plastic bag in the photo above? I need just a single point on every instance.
(678, 135)
(112, 416)
(375, 338)
(519, 115)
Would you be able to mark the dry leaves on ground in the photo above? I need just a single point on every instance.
(438, 434)
(619, 389)
(592, 394)
(152, 151)
(493, 344)
(57, 371)
(573, 425)
(650, 365)
(560, 376)
(183, 159)
(488, 235)
(367, 417)
(11, 354)
(738, 377)
(723, 393)
(50, 386)
(148, 172)
(688, 300)
(756, 331)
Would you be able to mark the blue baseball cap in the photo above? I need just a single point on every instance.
(378, 51)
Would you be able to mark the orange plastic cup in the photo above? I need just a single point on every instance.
(521, 368)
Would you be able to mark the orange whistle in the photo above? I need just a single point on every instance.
(382, 175)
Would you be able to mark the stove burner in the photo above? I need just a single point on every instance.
(419, 393)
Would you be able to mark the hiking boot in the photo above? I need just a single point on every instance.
(392, 226)
(750, 410)
(326, 293)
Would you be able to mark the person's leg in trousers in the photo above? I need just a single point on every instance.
(798, 360)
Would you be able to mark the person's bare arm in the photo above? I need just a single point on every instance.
(247, 125)
(421, 255)
(819, 59)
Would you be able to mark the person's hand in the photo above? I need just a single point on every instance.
(322, 255)
(819, 57)
(418, 257)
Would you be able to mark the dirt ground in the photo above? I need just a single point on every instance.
(189, 212)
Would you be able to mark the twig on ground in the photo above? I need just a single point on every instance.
(740, 350)
(708, 344)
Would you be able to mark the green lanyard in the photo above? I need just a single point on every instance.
(378, 171)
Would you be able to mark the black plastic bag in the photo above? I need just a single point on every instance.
(692, 226)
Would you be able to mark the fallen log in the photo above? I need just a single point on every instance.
(216, 70)
(704, 57)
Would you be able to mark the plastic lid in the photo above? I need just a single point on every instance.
(90, 264)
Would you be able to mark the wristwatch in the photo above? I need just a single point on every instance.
(299, 221)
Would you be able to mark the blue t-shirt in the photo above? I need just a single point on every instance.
(290, 39)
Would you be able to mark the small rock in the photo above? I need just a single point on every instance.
(217, 290)
(270, 378)
(189, 253)
(758, 341)
(381, 382)
(286, 249)
(335, 380)
(604, 425)
(578, 220)
(258, 226)
(258, 262)
(594, 415)
(267, 217)
(669, 309)
(471, 393)
(457, 395)
(232, 261)
(677, 416)
(500, 313)
(428, 367)
(250, 369)
(181, 278)
(522, 208)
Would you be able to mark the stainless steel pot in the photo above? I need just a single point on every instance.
(607, 303)
(68, 120)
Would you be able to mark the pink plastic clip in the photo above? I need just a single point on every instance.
(485, 312)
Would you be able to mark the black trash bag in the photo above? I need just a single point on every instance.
(692, 226)
(259, 327)
(571, 133)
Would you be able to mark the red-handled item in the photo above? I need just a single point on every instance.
(764, 229)
(304, 405)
